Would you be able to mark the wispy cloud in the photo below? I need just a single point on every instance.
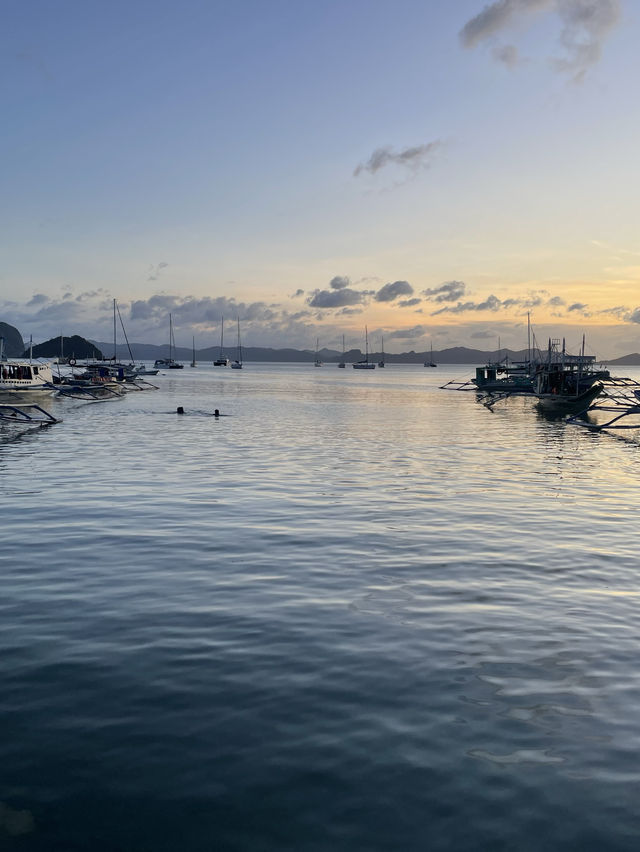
(335, 298)
(507, 54)
(495, 17)
(155, 270)
(414, 333)
(491, 303)
(393, 290)
(580, 308)
(583, 28)
(586, 24)
(414, 158)
(450, 291)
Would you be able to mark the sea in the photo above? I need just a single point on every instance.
(355, 612)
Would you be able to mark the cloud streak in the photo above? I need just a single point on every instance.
(450, 291)
(415, 158)
(392, 291)
(335, 298)
(584, 25)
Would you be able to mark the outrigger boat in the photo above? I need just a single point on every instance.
(26, 415)
(566, 383)
(619, 401)
(20, 376)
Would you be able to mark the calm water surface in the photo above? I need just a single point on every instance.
(358, 613)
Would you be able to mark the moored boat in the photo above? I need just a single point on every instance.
(221, 360)
(237, 364)
(24, 375)
(566, 382)
(365, 364)
(169, 363)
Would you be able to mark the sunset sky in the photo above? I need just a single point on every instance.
(434, 170)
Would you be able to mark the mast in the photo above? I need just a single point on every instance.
(114, 332)
(124, 331)
(529, 341)
(366, 345)
(170, 335)
(239, 345)
(222, 337)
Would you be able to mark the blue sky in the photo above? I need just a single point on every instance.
(285, 161)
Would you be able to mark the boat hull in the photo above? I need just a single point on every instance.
(570, 404)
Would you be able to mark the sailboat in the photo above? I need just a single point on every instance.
(193, 358)
(342, 363)
(365, 364)
(221, 360)
(169, 363)
(381, 361)
(431, 362)
(237, 364)
(318, 362)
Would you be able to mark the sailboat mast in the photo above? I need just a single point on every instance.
(114, 332)
(124, 331)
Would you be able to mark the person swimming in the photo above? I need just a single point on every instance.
(179, 410)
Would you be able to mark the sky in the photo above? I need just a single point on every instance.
(433, 171)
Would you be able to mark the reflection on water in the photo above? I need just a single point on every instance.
(357, 612)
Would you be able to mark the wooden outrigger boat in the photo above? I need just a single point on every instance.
(27, 415)
(619, 401)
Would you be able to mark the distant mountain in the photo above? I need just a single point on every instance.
(13, 342)
(632, 360)
(455, 355)
(68, 347)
